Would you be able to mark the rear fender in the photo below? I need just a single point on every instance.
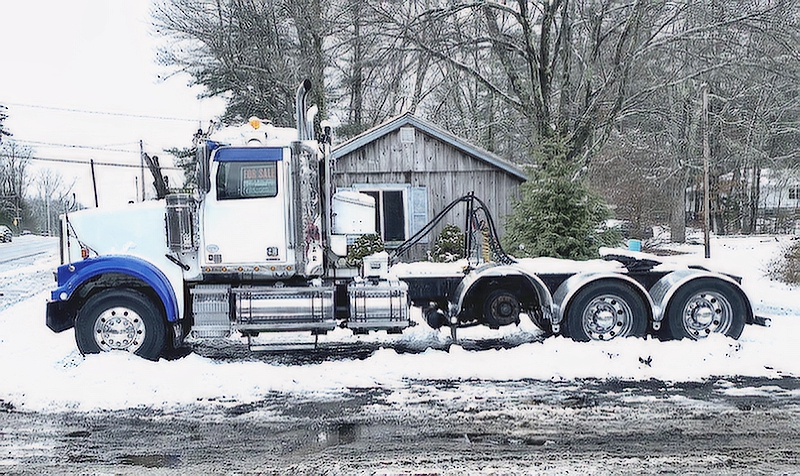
(664, 290)
(72, 276)
(491, 271)
(568, 289)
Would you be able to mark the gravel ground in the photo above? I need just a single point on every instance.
(731, 426)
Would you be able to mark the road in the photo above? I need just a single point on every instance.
(28, 246)
(726, 426)
(525, 427)
(26, 267)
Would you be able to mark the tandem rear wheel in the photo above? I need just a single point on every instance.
(605, 310)
(703, 307)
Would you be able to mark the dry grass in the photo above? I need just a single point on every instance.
(786, 268)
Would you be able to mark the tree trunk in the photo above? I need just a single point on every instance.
(678, 208)
(754, 199)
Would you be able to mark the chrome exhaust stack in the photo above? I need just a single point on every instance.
(305, 129)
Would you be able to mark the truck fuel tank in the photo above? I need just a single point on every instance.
(270, 309)
(378, 305)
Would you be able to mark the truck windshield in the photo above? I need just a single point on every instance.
(237, 180)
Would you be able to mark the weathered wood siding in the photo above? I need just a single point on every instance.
(445, 171)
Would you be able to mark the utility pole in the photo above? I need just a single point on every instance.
(47, 210)
(706, 194)
(94, 182)
(141, 159)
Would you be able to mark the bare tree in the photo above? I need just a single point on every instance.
(563, 66)
(742, 51)
(253, 52)
(617, 81)
(51, 200)
(377, 73)
(14, 160)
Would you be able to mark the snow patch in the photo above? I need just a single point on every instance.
(42, 371)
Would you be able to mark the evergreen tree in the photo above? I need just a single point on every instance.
(557, 214)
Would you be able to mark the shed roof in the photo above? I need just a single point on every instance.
(433, 130)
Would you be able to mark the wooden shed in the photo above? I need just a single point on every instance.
(414, 169)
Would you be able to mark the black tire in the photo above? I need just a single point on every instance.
(703, 307)
(501, 308)
(121, 319)
(605, 310)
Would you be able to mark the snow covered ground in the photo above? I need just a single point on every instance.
(42, 371)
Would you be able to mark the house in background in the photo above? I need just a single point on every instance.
(414, 169)
(779, 201)
(779, 190)
(769, 204)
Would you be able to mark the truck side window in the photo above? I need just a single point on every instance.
(237, 180)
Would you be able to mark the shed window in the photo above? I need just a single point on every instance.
(794, 193)
(400, 210)
(390, 215)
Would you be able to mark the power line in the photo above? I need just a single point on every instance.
(101, 113)
(76, 146)
(86, 162)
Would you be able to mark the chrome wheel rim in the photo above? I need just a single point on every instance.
(606, 317)
(706, 313)
(119, 328)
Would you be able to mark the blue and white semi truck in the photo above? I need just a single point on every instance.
(261, 247)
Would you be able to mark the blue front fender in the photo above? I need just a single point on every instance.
(72, 276)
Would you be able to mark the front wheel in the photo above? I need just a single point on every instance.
(605, 310)
(703, 307)
(121, 319)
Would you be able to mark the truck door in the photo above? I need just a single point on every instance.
(244, 215)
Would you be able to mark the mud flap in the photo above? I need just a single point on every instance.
(60, 316)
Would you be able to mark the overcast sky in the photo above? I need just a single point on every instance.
(81, 74)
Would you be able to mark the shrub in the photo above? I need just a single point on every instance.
(449, 245)
(365, 245)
